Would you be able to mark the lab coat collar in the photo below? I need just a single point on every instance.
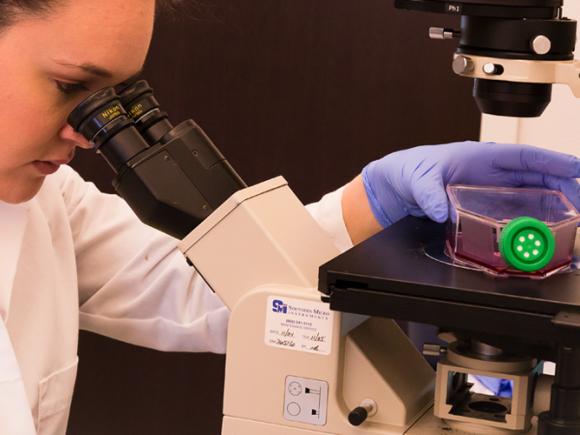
(13, 221)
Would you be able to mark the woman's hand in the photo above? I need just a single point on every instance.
(413, 181)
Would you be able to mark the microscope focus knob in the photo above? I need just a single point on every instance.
(358, 415)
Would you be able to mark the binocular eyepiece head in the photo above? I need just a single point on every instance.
(121, 125)
(172, 178)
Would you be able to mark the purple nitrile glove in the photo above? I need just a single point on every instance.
(412, 182)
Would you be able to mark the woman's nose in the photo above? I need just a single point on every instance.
(67, 133)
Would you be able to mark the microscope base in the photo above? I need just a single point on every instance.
(240, 426)
(427, 425)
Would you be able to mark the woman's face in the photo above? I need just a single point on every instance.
(48, 65)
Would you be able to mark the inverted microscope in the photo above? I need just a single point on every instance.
(312, 345)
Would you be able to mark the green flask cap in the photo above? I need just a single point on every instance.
(527, 244)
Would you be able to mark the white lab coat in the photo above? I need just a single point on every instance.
(75, 257)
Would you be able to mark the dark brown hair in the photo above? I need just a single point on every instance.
(10, 10)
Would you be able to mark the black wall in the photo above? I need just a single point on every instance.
(310, 89)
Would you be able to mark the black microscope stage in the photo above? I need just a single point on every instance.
(390, 275)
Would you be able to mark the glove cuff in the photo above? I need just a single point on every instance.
(376, 208)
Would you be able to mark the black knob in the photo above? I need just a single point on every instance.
(357, 416)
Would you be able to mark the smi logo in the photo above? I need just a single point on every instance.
(279, 306)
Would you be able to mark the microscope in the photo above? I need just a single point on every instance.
(312, 345)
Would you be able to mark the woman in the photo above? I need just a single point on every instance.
(73, 257)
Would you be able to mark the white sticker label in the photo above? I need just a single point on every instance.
(300, 325)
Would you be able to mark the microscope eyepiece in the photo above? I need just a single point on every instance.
(143, 108)
(99, 116)
(103, 121)
(91, 104)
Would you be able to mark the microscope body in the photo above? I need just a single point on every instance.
(294, 367)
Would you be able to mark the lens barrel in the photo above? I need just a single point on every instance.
(501, 98)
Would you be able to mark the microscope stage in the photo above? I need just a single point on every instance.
(390, 275)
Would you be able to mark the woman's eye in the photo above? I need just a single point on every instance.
(70, 88)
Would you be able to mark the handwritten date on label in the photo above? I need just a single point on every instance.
(317, 338)
(300, 325)
(288, 343)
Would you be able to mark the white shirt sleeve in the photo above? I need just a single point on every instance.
(135, 285)
(328, 213)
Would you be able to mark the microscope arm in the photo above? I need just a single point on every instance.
(261, 234)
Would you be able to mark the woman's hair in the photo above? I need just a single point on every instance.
(10, 10)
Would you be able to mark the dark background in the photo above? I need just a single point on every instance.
(310, 89)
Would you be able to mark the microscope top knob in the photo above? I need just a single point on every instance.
(443, 33)
(541, 45)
